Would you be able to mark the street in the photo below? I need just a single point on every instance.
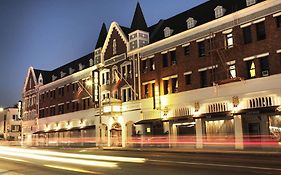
(17, 161)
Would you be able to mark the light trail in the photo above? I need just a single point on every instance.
(13, 159)
(72, 169)
(60, 159)
(80, 156)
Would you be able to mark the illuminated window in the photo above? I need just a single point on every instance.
(152, 64)
(144, 66)
(229, 40)
(251, 69)
(232, 71)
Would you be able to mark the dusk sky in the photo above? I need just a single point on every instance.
(47, 34)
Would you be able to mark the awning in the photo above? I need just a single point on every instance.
(89, 127)
(260, 110)
(180, 119)
(216, 115)
(39, 132)
(149, 121)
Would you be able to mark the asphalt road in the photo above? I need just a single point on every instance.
(28, 162)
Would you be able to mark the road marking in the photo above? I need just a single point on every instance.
(72, 169)
(13, 159)
(218, 165)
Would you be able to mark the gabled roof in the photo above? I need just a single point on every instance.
(46, 75)
(102, 36)
(138, 22)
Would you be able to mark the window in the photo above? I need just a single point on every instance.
(251, 68)
(126, 70)
(61, 91)
(247, 35)
(187, 79)
(166, 86)
(232, 71)
(105, 77)
(153, 95)
(201, 49)
(229, 40)
(173, 57)
(175, 85)
(61, 109)
(113, 77)
(15, 117)
(126, 94)
(165, 60)
(278, 21)
(15, 128)
(144, 66)
(114, 47)
(219, 11)
(250, 2)
(186, 50)
(264, 66)
(190, 22)
(52, 111)
(152, 64)
(203, 79)
(168, 32)
(260, 28)
(146, 91)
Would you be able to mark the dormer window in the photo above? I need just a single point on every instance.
(190, 22)
(219, 11)
(71, 70)
(62, 74)
(54, 77)
(168, 32)
(81, 66)
(91, 62)
(250, 2)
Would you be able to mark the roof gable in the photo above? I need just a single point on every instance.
(113, 26)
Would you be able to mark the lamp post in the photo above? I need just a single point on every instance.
(20, 117)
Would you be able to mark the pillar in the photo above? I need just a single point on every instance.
(238, 130)
(199, 133)
(124, 135)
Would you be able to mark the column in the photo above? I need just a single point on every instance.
(124, 136)
(108, 137)
(199, 133)
(238, 130)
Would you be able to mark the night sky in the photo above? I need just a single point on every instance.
(47, 34)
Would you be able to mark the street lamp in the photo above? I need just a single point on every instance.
(1, 109)
(20, 117)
